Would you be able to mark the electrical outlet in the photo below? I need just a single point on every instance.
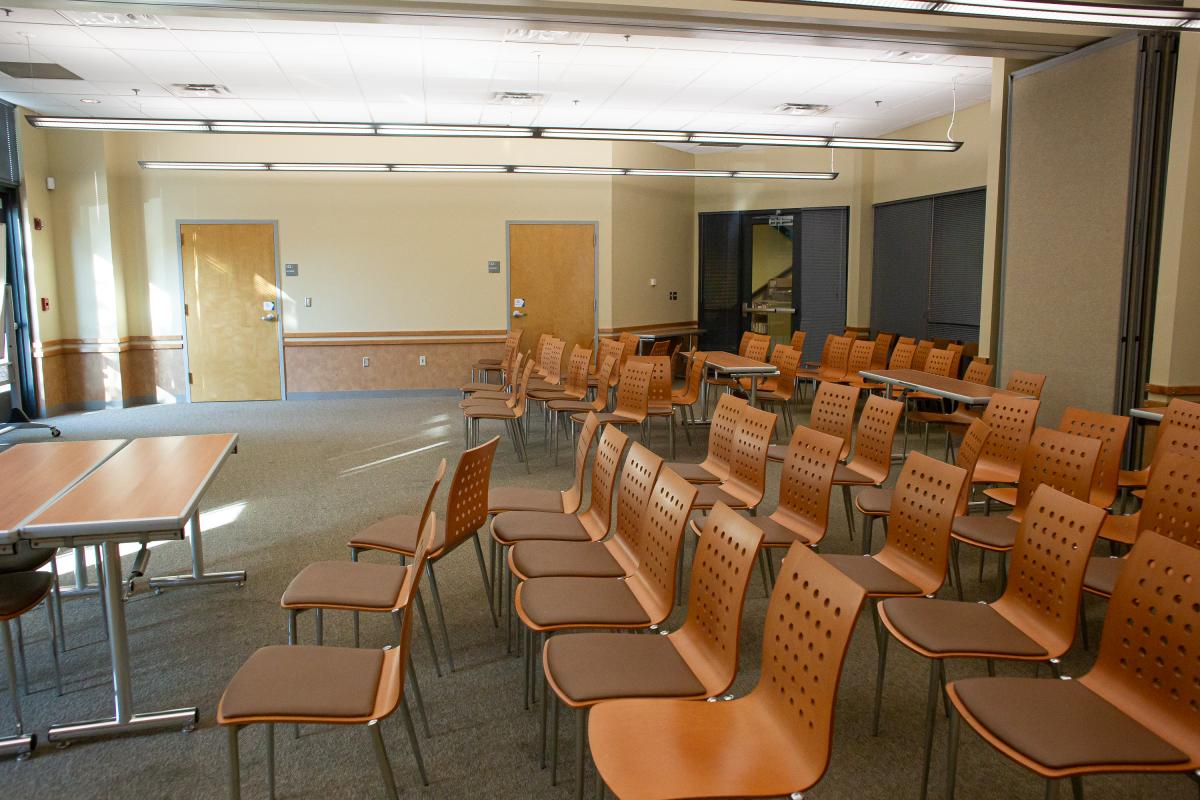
(421, 360)
(366, 361)
(308, 302)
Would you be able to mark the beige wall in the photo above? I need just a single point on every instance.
(901, 174)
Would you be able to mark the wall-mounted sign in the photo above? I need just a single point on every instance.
(780, 221)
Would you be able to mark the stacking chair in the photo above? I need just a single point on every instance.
(1028, 384)
(797, 342)
(609, 348)
(1178, 413)
(812, 371)
(832, 412)
(509, 369)
(1172, 440)
(658, 398)
(482, 367)
(921, 354)
(1060, 460)
(757, 347)
(902, 358)
(574, 388)
(696, 661)
(915, 557)
(661, 347)
(538, 354)
(20, 593)
(956, 353)
(295, 684)
(777, 392)
(834, 367)
(630, 343)
(715, 466)
(466, 514)
(876, 501)
(962, 416)
(1111, 430)
(883, 345)
(685, 399)
(872, 462)
(907, 340)
(805, 483)
(511, 412)
(595, 557)
(753, 346)
(774, 741)
(633, 398)
(861, 354)
(550, 365)
(1012, 420)
(1034, 620)
(1134, 711)
(565, 501)
(576, 407)
(745, 486)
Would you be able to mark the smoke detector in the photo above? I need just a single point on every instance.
(535, 36)
(199, 90)
(800, 109)
(518, 99)
(112, 19)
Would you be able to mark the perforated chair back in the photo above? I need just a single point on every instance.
(825, 348)
(879, 354)
(721, 569)
(572, 498)
(924, 504)
(809, 621)
(902, 356)
(629, 346)
(979, 372)
(939, 362)
(906, 340)
(633, 498)
(604, 379)
(806, 482)
(605, 466)
(861, 353)
(1182, 412)
(721, 432)
(1110, 430)
(833, 412)
(922, 352)
(577, 372)
(1172, 504)
(661, 347)
(797, 342)
(757, 347)
(1049, 559)
(552, 360)
(956, 354)
(633, 392)
(1146, 665)
(833, 368)
(787, 361)
(659, 397)
(1012, 420)
(876, 431)
(967, 457)
(695, 376)
(748, 456)
(1059, 460)
(517, 404)
(744, 342)
(1175, 439)
(1029, 384)
(657, 547)
(609, 348)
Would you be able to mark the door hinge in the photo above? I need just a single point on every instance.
(185, 309)
(189, 379)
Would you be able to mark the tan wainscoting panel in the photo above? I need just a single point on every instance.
(81, 374)
(313, 365)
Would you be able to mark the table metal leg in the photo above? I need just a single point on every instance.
(123, 719)
(198, 577)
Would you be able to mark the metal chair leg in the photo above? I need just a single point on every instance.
(1052, 789)
(58, 607)
(868, 528)
(955, 572)
(235, 777)
(881, 646)
(846, 501)
(581, 715)
(764, 569)
(935, 688)
(441, 614)
(487, 583)
(397, 619)
(54, 643)
(554, 740)
(406, 718)
(1083, 628)
(270, 728)
(952, 752)
(1077, 786)
(11, 669)
(21, 654)
(385, 766)
(320, 624)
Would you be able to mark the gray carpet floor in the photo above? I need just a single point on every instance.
(307, 475)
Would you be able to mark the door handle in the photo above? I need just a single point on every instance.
(518, 314)
(269, 318)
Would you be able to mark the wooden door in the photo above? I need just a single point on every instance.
(552, 268)
(231, 311)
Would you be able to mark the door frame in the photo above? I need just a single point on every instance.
(274, 223)
(508, 225)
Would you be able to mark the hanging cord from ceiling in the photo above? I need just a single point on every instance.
(953, 109)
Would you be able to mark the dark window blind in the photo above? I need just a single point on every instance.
(956, 265)
(720, 252)
(10, 169)
(899, 277)
(822, 279)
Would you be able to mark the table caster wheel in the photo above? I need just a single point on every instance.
(157, 592)
(55, 432)
(188, 728)
(62, 745)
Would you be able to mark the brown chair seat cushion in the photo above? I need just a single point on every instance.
(993, 531)
(484, 398)
(776, 534)
(843, 476)
(1061, 724)
(302, 681)
(868, 573)
(709, 494)
(589, 667)
(692, 473)
(397, 534)
(874, 501)
(469, 388)
(571, 406)
(1120, 527)
(777, 452)
(578, 602)
(1102, 573)
(953, 627)
(21, 591)
(520, 498)
(609, 418)
(494, 409)
(546, 395)
(542, 559)
(521, 526)
(542, 386)
(352, 584)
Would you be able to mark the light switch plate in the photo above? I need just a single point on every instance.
(308, 302)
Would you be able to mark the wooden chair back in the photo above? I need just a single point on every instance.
(807, 480)
(609, 348)
(721, 433)
(902, 356)
(1063, 461)
(787, 360)
(659, 397)
(956, 353)
(834, 367)
(1172, 504)
(747, 337)
(1049, 560)
(657, 548)
(551, 362)
(876, 431)
(757, 348)
(629, 346)
(967, 457)
(633, 392)
(1012, 420)
(748, 456)
(922, 353)
(879, 354)
(721, 570)
(861, 353)
(1111, 430)
(607, 462)
(577, 372)
(924, 504)
(633, 498)
(467, 505)
(833, 412)
(1029, 384)
(695, 376)
(939, 362)
(572, 497)
(980, 372)
(661, 347)
(797, 342)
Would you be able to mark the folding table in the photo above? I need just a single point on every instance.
(733, 366)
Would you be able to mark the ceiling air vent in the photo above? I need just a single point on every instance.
(800, 109)
(112, 19)
(199, 90)
(911, 57)
(535, 36)
(518, 99)
(24, 69)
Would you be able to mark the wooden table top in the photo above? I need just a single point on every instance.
(950, 388)
(152, 484)
(733, 363)
(34, 473)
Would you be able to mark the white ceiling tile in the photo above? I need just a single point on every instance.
(45, 35)
(340, 111)
(135, 38)
(507, 115)
(293, 26)
(220, 41)
(396, 112)
(284, 110)
(206, 23)
(125, 89)
(684, 43)
(451, 31)
(666, 119)
(690, 62)
(95, 64)
(20, 53)
(378, 47)
(35, 16)
(320, 76)
(522, 73)
(164, 67)
(239, 69)
(453, 113)
(301, 43)
(614, 118)
(532, 53)
(47, 87)
(213, 108)
(264, 91)
(593, 55)
(378, 29)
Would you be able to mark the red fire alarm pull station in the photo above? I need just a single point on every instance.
(45, 304)
(37, 223)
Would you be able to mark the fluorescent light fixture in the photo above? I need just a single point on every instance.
(236, 166)
(570, 170)
(609, 134)
(759, 138)
(795, 176)
(681, 173)
(329, 167)
(110, 124)
(343, 128)
(448, 168)
(490, 131)
(1111, 14)
(892, 144)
